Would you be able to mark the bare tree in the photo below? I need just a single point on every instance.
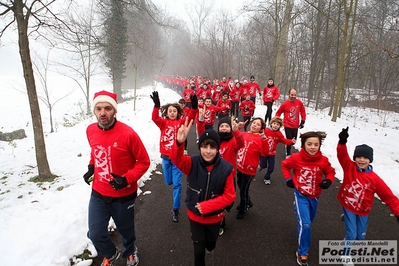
(198, 14)
(82, 45)
(42, 70)
(20, 11)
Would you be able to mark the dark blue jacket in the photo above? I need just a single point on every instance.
(203, 185)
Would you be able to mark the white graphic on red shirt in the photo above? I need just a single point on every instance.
(355, 195)
(292, 115)
(241, 156)
(306, 180)
(207, 116)
(222, 151)
(102, 159)
(168, 137)
(270, 143)
(269, 94)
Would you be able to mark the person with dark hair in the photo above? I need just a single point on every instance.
(231, 141)
(253, 87)
(274, 137)
(210, 188)
(118, 159)
(358, 187)
(169, 122)
(225, 104)
(304, 171)
(210, 112)
(271, 93)
(255, 145)
(235, 96)
(204, 91)
(294, 117)
(187, 93)
(247, 108)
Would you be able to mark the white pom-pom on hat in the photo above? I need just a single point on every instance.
(105, 97)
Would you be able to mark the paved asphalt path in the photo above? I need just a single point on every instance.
(266, 236)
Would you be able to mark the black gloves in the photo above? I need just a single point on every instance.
(155, 99)
(290, 183)
(325, 184)
(88, 177)
(302, 124)
(119, 182)
(194, 102)
(343, 136)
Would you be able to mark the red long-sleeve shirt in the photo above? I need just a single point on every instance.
(210, 113)
(249, 155)
(228, 149)
(307, 172)
(168, 129)
(247, 107)
(273, 138)
(294, 112)
(252, 87)
(270, 94)
(357, 190)
(187, 93)
(120, 151)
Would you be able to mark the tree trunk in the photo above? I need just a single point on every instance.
(23, 41)
(345, 51)
(281, 47)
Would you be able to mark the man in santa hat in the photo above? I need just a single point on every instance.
(118, 159)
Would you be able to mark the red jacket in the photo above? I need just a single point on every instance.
(307, 172)
(224, 104)
(210, 114)
(184, 163)
(235, 95)
(216, 96)
(203, 94)
(168, 129)
(270, 94)
(249, 155)
(120, 151)
(249, 111)
(356, 193)
(228, 149)
(292, 111)
(187, 93)
(244, 90)
(273, 138)
(252, 87)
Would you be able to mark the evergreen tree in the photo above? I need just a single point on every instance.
(116, 43)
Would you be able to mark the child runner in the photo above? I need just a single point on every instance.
(271, 93)
(169, 122)
(247, 108)
(359, 185)
(273, 136)
(188, 92)
(210, 188)
(248, 157)
(304, 172)
(224, 102)
(231, 140)
(210, 113)
(235, 96)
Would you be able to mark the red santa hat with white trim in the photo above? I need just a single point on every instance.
(105, 97)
